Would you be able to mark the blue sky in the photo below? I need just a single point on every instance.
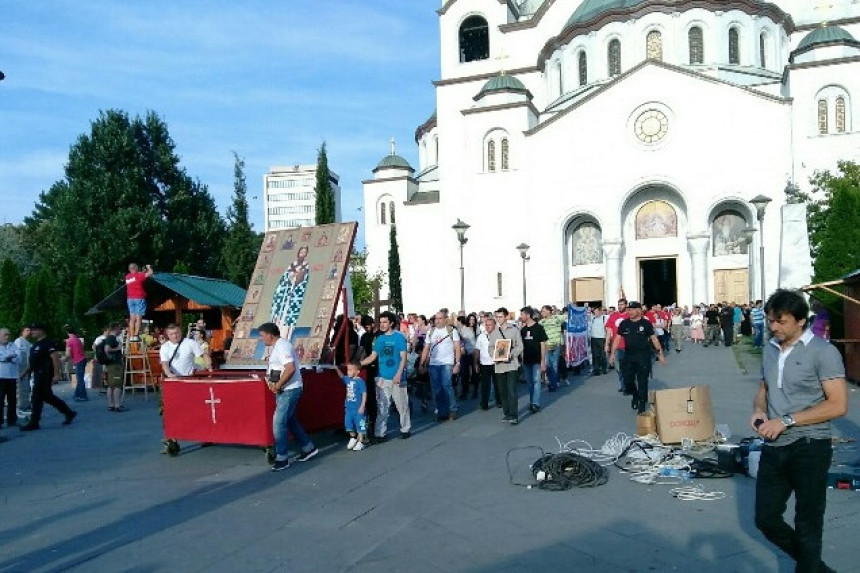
(268, 79)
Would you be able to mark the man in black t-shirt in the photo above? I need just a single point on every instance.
(727, 320)
(712, 326)
(534, 355)
(45, 366)
(639, 341)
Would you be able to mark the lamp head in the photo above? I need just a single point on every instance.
(523, 249)
(460, 227)
(760, 203)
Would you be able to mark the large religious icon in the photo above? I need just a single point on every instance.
(728, 234)
(297, 288)
(502, 350)
(655, 220)
(587, 244)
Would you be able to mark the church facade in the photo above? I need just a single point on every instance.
(622, 141)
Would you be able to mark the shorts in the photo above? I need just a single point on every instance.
(113, 375)
(136, 306)
(355, 422)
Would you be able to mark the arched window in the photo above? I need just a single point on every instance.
(474, 39)
(505, 154)
(727, 234)
(697, 45)
(734, 46)
(614, 57)
(491, 155)
(654, 45)
(436, 150)
(762, 49)
(382, 214)
(391, 212)
(822, 116)
(840, 114)
(583, 68)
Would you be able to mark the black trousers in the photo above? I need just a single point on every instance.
(728, 334)
(43, 393)
(488, 376)
(800, 467)
(599, 363)
(507, 389)
(635, 371)
(9, 396)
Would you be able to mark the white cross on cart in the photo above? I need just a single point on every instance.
(212, 401)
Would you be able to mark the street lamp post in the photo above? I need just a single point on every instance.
(460, 227)
(760, 203)
(524, 250)
(747, 235)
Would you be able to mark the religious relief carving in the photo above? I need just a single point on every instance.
(728, 234)
(656, 219)
(587, 244)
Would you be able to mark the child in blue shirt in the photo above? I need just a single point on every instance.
(354, 420)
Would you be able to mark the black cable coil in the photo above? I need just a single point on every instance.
(568, 470)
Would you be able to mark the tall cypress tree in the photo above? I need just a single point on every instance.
(37, 301)
(395, 287)
(13, 289)
(325, 207)
(240, 245)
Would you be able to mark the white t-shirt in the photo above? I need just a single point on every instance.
(482, 344)
(597, 327)
(183, 364)
(442, 346)
(281, 355)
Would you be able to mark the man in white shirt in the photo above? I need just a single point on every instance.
(284, 379)
(22, 343)
(485, 365)
(177, 354)
(597, 332)
(442, 354)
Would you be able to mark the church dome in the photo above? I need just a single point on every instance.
(589, 9)
(393, 160)
(502, 83)
(825, 35)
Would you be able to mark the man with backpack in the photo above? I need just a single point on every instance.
(109, 355)
(442, 355)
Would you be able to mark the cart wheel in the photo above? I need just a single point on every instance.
(270, 454)
(171, 447)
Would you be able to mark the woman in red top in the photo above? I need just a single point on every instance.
(75, 353)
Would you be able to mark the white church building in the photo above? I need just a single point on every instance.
(622, 141)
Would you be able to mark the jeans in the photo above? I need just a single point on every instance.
(385, 392)
(80, 385)
(507, 384)
(758, 330)
(43, 393)
(285, 421)
(620, 354)
(800, 467)
(443, 391)
(532, 372)
(552, 357)
(598, 355)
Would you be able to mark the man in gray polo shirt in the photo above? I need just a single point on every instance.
(802, 389)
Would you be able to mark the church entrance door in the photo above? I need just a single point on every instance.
(658, 281)
(732, 285)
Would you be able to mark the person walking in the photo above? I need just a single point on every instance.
(75, 354)
(534, 355)
(22, 344)
(727, 317)
(757, 317)
(484, 366)
(507, 364)
(44, 364)
(9, 359)
(802, 389)
(552, 324)
(284, 379)
(678, 329)
(441, 356)
(597, 332)
(712, 326)
(640, 340)
(389, 349)
(697, 331)
(616, 356)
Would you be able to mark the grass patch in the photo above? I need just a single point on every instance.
(739, 358)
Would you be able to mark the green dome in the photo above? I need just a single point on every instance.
(825, 35)
(590, 9)
(502, 83)
(393, 160)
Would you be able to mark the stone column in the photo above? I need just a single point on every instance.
(698, 246)
(612, 261)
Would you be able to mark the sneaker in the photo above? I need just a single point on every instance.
(280, 465)
(513, 421)
(358, 447)
(405, 435)
(305, 456)
(351, 444)
(69, 417)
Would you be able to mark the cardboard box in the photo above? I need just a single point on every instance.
(646, 424)
(684, 413)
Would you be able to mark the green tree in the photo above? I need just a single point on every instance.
(83, 299)
(12, 246)
(124, 197)
(325, 207)
(395, 287)
(37, 301)
(240, 245)
(363, 285)
(13, 289)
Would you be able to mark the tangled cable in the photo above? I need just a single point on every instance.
(696, 493)
(563, 471)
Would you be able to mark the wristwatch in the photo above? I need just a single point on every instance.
(788, 420)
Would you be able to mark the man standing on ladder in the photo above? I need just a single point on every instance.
(136, 298)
